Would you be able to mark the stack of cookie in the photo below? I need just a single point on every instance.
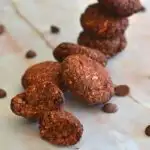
(105, 23)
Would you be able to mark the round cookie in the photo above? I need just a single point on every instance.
(101, 23)
(88, 79)
(60, 128)
(37, 99)
(110, 47)
(123, 8)
(45, 71)
(66, 49)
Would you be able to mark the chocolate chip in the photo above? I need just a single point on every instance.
(122, 90)
(143, 9)
(2, 93)
(55, 29)
(30, 54)
(2, 29)
(147, 131)
(110, 108)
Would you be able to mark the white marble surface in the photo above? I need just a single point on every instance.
(121, 131)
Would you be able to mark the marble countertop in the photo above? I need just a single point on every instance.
(27, 27)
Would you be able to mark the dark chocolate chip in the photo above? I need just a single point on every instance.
(110, 108)
(147, 131)
(143, 9)
(122, 90)
(2, 29)
(2, 93)
(30, 54)
(55, 29)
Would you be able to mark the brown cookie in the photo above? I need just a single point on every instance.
(36, 99)
(110, 47)
(60, 128)
(87, 78)
(101, 23)
(66, 49)
(123, 8)
(38, 73)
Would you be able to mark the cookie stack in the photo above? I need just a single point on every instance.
(105, 23)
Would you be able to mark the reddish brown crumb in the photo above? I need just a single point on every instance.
(37, 99)
(110, 108)
(87, 79)
(30, 54)
(147, 130)
(3, 93)
(123, 8)
(100, 22)
(66, 49)
(110, 47)
(38, 73)
(122, 90)
(60, 128)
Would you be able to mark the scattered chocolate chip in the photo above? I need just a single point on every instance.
(147, 131)
(122, 90)
(143, 9)
(2, 93)
(55, 29)
(110, 108)
(30, 54)
(2, 29)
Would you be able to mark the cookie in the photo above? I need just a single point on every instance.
(60, 128)
(100, 22)
(37, 99)
(45, 71)
(123, 8)
(66, 49)
(109, 47)
(88, 79)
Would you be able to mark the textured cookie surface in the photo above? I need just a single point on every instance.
(87, 79)
(37, 99)
(60, 128)
(45, 71)
(101, 23)
(110, 47)
(123, 8)
(66, 49)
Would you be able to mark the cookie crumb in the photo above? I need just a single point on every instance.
(122, 90)
(30, 54)
(2, 29)
(2, 93)
(110, 108)
(55, 29)
(147, 130)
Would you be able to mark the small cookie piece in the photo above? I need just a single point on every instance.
(123, 8)
(87, 78)
(45, 71)
(122, 90)
(101, 23)
(3, 93)
(110, 108)
(66, 49)
(109, 47)
(37, 99)
(60, 128)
